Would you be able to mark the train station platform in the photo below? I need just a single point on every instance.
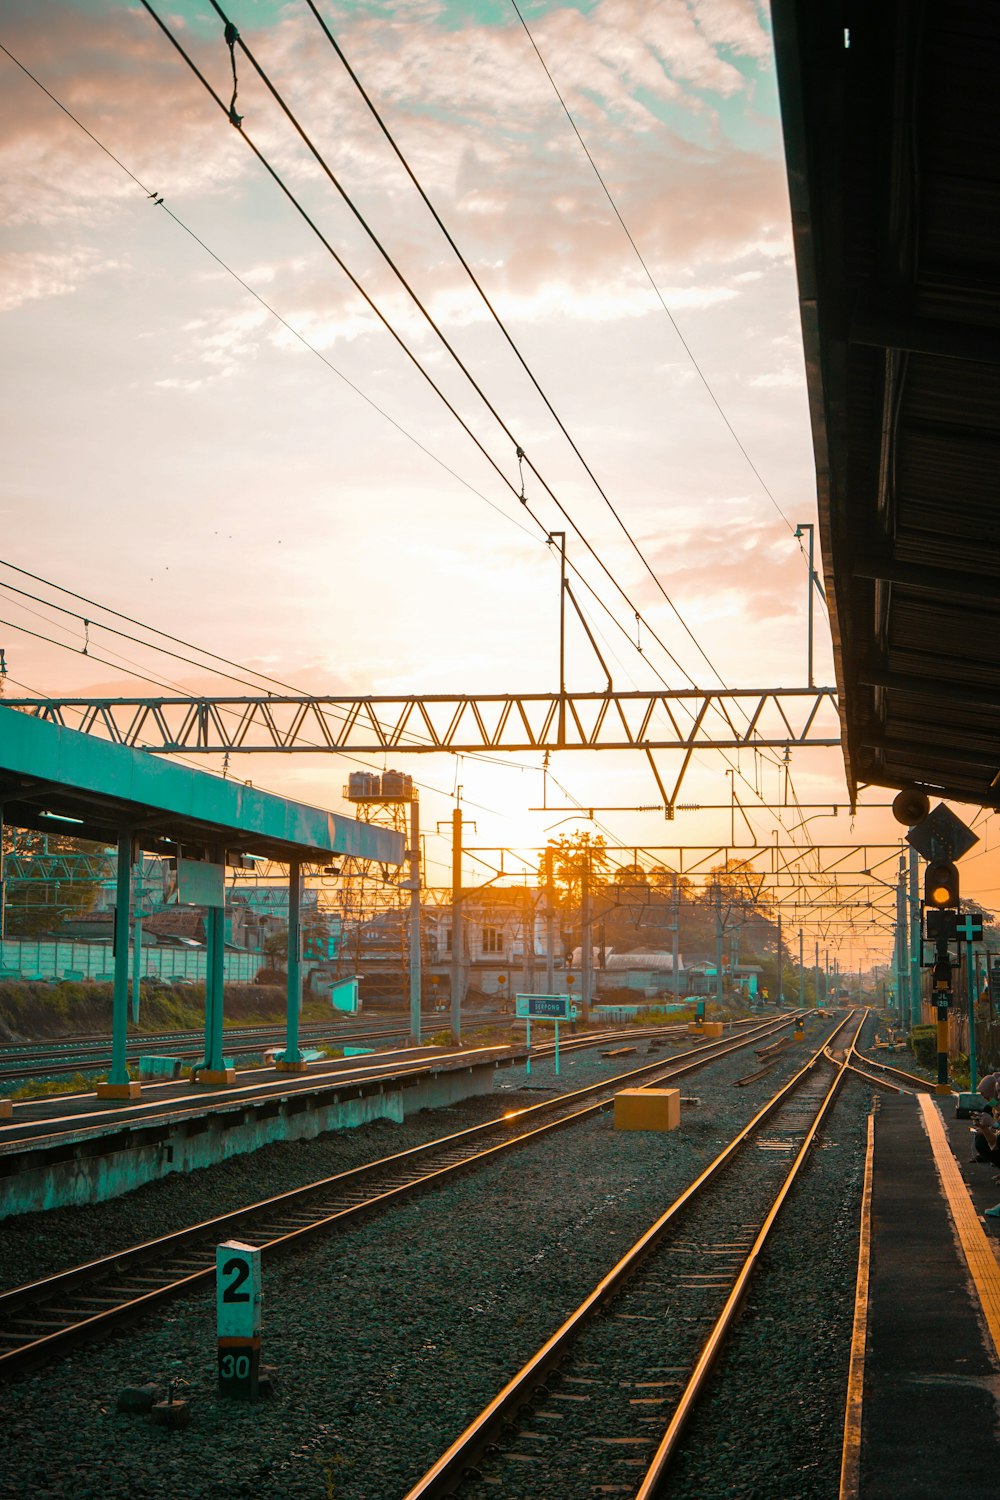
(75, 1149)
(925, 1422)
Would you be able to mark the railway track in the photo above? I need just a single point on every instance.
(43, 1318)
(860, 1062)
(93, 1057)
(602, 1405)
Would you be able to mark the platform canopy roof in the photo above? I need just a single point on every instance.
(892, 142)
(58, 781)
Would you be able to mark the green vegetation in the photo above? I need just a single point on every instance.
(80, 1009)
(80, 1083)
(923, 1045)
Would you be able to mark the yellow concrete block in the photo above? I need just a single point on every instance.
(707, 1028)
(119, 1091)
(6, 1109)
(291, 1067)
(224, 1076)
(648, 1109)
(798, 1036)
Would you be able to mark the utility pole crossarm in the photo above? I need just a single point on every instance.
(686, 719)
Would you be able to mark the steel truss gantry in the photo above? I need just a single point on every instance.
(685, 720)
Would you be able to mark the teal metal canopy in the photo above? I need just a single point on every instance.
(58, 780)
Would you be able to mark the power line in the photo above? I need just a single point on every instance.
(649, 275)
(506, 763)
(233, 38)
(87, 622)
(397, 338)
(167, 635)
(499, 323)
(160, 203)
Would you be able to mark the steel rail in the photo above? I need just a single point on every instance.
(911, 1079)
(238, 1042)
(189, 1243)
(58, 1046)
(862, 1057)
(48, 1064)
(28, 1130)
(447, 1472)
(882, 1083)
(652, 1482)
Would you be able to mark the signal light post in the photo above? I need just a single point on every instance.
(941, 902)
(941, 979)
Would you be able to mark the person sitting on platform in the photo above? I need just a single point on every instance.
(989, 1086)
(986, 1139)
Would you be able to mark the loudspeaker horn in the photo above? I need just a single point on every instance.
(910, 806)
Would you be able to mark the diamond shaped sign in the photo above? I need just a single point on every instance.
(941, 835)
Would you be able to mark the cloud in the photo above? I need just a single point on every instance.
(516, 189)
(27, 276)
(111, 68)
(779, 379)
(740, 568)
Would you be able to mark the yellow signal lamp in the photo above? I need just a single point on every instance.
(941, 884)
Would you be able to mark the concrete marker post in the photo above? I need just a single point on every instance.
(238, 1298)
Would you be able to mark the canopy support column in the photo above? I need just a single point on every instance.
(214, 1071)
(119, 1085)
(291, 1060)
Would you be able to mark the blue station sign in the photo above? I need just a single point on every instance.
(545, 1007)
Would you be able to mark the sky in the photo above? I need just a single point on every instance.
(207, 429)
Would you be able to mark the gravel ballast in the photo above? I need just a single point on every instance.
(386, 1339)
(771, 1421)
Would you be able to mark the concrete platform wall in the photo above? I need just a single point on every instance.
(93, 1176)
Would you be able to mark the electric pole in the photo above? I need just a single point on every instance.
(457, 932)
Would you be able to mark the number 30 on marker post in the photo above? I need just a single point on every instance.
(237, 1300)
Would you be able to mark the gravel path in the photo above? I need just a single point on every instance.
(385, 1340)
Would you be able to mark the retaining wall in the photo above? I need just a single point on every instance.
(94, 1167)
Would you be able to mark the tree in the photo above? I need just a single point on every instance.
(572, 854)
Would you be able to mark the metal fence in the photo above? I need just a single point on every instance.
(30, 958)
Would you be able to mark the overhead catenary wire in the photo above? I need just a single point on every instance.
(136, 670)
(167, 635)
(397, 338)
(158, 199)
(160, 202)
(505, 332)
(649, 275)
(158, 682)
(233, 37)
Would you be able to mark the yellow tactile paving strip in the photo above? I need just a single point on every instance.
(982, 1263)
(850, 1464)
